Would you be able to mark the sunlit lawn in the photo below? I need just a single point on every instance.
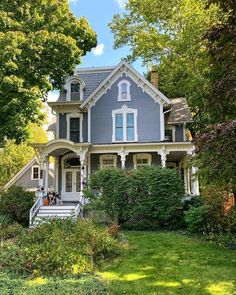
(170, 263)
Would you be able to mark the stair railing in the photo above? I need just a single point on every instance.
(77, 210)
(33, 211)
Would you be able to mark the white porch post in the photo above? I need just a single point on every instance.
(163, 153)
(56, 173)
(41, 171)
(195, 183)
(187, 181)
(123, 155)
(46, 174)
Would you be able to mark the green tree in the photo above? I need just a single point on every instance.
(169, 36)
(41, 42)
(14, 156)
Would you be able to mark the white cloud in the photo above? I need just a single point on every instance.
(72, 1)
(99, 50)
(121, 3)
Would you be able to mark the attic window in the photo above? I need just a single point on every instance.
(124, 90)
(35, 172)
(75, 87)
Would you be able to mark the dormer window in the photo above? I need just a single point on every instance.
(75, 87)
(124, 90)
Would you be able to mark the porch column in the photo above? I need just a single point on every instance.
(123, 155)
(163, 153)
(187, 181)
(46, 174)
(56, 173)
(195, 183)
(41, 171)
(82, 170)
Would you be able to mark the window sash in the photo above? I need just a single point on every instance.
(125, 126)
(35, 172)
(75, 129)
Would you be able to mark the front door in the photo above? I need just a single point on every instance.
(71, 185)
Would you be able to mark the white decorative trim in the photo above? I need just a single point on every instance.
(128, 98)
(67, 87)
(32, 172)
(162, 123)
(142, 156)
(124, 111)
(57, 126)
(74, 115)
(124, 68)
(107, 157)
(67, 157)
(89, 124)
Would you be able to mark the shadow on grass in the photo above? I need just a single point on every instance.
(170, 263)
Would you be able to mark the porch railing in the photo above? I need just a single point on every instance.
(33, 211)
(77, 210)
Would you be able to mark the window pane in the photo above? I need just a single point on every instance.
(35, 173)
(119, 120)
(130, 133)
(68, 182)
(119, 134)
(123, 87)
(75, 129)
(106, 163)
(75, 87)
(130, 120)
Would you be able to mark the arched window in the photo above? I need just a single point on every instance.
(75, 87)
(124, 90)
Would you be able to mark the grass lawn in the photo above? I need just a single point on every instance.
(170, 263)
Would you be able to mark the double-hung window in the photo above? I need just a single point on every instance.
(142, 160)
(108, 161)
(124, 90)
(124, 125)
(35, 173)
(74, 127)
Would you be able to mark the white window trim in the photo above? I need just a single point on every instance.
(68, 117)
(107, 157)
(142, 156)
(173, 131)
(123, 111)
(120, 90)
(32, 172)
(68, 87)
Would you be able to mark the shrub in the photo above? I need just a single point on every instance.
(4, 219)
(150, 194)
(60, 247)
(10, 231)
(196, 219)
(16, 203)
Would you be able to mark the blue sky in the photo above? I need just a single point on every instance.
(99, 13)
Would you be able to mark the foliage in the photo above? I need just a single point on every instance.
(221, 47)
(41, 42)
(85, 285)
(216, 153)
(60, 247)
(4, 219)
(169, 36)
(16, 203)
(171, 263)
(211, 217)
(14, 157)
(10, 231)
(149, 194)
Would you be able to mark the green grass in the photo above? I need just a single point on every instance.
(170, 263)
(17, 285)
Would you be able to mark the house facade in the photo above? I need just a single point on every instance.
(114, 117)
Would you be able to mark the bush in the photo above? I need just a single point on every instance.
(10, 231)
(16, 203)
(196, 219)
(60, 247)
(4, 219)
(150, 194)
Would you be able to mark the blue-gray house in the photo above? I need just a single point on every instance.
(114, 117)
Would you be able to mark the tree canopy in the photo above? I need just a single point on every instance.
(169, 36)
(41, 42)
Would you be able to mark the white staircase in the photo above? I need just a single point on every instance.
(40, 213)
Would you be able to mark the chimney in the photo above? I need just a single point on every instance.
(154, 78)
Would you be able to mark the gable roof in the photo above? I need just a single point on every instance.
(124, 67)
(23, 171)
(180, 112)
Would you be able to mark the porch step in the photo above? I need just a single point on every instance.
(57, 211)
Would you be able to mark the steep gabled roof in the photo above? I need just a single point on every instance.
(180, 112)
(124, 67)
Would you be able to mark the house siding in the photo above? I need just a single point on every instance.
(148, 118)
(179, 133)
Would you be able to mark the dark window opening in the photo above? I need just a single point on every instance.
(75, 129)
